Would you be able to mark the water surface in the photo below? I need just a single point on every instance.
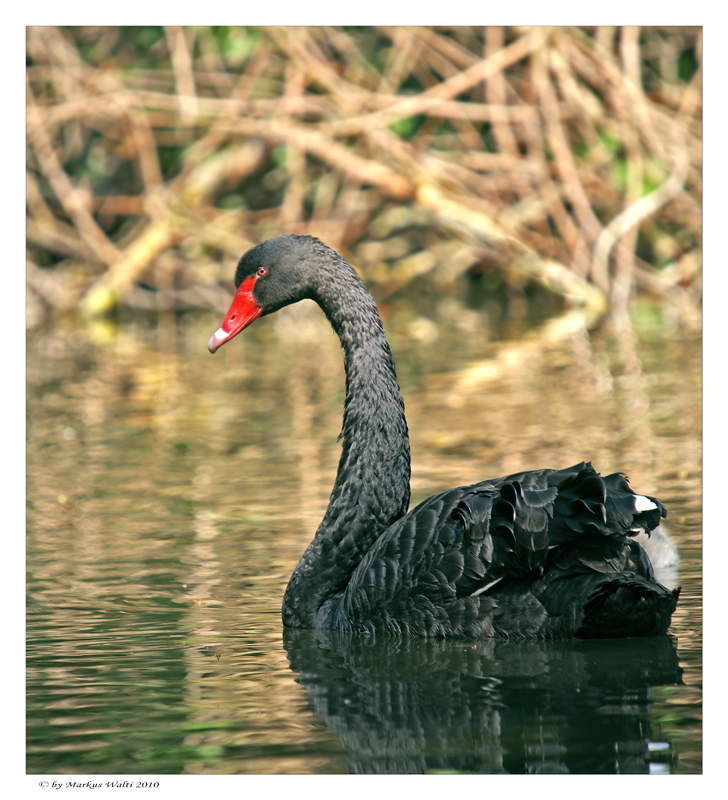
(171, 493)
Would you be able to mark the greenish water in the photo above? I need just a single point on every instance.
(171, 493)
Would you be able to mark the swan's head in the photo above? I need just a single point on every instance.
(271, 275)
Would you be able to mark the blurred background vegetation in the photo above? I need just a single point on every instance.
(565, 158)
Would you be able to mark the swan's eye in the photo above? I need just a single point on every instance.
(261, 272)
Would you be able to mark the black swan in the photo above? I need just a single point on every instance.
(544, 554)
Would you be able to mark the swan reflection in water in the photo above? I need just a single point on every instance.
(404, 705)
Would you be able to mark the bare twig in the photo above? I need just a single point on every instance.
(183, 72)
(64, 189)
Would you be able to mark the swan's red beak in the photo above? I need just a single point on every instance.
(243, 310)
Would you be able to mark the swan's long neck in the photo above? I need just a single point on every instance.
(371, 490)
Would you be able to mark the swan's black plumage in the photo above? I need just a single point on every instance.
(545, 553)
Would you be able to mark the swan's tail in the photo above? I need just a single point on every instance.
(627, 605)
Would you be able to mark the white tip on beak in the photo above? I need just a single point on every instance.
(218, 338)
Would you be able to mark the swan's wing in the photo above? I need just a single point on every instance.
(440, 566)
(433, 569)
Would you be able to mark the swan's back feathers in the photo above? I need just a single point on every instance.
(534, 554)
